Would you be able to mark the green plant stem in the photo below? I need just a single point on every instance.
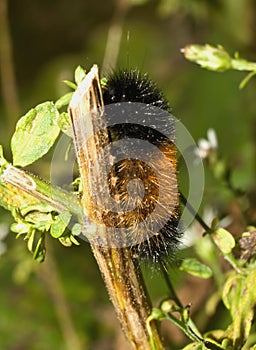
(228, 257)
(243, 65)
(173, 294)
(56, 197)
(232, 261)
(187, 329)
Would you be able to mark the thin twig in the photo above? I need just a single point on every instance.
(194, 213)
(173, 294)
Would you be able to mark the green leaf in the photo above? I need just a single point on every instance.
(239, 297)
(65, 241)
(214, 223)
(74, 240)
(63, 100)
(39, 250)
(224, 240)
(36, 245)
(60, 223)
(35, 207)
(41, 221)
(64, 123)
(208, 56)
(76, 229)
(103, 82)
(70, 84)
(79, 74)
(20, 227)
(195, 268)
(194, 346)
(35, 134)
(232, 291)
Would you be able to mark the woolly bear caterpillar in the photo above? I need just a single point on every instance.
(143, 183)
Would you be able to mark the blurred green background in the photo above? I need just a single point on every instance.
(44, 307)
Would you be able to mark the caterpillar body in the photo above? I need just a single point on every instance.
(134, 87)
(135, 198)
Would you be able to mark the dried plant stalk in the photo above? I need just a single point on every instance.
(120, 271)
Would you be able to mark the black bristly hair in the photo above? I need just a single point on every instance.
(132, 86)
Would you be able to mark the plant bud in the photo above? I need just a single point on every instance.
(209, 57)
